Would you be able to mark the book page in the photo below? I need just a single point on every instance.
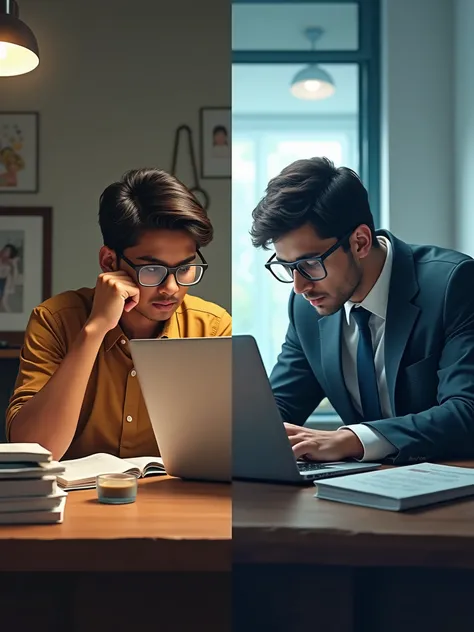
(405, 481)
(90, 466)
(148, 463)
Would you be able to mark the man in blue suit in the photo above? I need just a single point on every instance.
(383, 329)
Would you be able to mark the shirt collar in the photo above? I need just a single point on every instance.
(377, 299)
(171, 330)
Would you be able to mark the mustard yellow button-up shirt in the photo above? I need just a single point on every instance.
(113, 416)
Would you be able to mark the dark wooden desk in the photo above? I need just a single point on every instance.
(166, 560)
(301, 561)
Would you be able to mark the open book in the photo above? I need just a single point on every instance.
(82, 473)
(400, 488)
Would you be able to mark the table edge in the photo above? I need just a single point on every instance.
(115, 555)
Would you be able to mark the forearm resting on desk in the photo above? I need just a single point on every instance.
(50, 417)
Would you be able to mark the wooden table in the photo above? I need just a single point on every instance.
(301, 561)
(297, 561)
(166, 560)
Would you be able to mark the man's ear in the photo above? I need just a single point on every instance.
(362, 241)
(107, 260)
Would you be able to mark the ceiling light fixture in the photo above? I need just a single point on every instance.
(312, 83)
(19, 51)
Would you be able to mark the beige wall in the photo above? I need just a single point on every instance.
(116, 79)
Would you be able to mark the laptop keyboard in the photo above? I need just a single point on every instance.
(304, 466)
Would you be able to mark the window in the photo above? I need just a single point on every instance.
(271, 129)
(260, 150)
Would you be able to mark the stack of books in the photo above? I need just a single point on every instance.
(29, 493)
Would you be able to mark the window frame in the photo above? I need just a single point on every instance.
(367, 57)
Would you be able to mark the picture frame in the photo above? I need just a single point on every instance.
(25, 267)
(19, 152)
(215, 124)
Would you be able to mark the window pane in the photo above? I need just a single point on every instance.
(269, 131)
(243, 199)
(288, 22)
(263, 90)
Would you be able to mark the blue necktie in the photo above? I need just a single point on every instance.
(367, 377)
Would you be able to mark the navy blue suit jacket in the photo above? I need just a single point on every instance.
(429, 357)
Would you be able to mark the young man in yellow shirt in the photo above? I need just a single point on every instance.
(77, 391)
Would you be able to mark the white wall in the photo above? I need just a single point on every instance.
(418, 120)
(464, 99)
(116, 78)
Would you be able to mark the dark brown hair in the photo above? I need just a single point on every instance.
(147, 199)
(313, 192)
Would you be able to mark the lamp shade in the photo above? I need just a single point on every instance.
(312, 83)
(19, 51)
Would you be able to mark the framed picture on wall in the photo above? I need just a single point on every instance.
(19, 152)
(215, 142)
(25, 267)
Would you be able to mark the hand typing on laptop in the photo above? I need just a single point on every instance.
(323, 445)
(269, 450)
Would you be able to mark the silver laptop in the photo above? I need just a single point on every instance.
(186, 384)
(260, 447)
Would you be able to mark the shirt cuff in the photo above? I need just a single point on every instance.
(376, 447)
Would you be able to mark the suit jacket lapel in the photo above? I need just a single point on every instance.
(401, 312)
(330, 336)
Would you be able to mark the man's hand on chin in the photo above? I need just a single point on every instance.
(324, 445)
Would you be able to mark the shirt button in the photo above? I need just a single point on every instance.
(133, 373)
(122, 342)
(129, 418)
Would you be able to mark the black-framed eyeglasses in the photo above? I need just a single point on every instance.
(151, 275)
(311, 268)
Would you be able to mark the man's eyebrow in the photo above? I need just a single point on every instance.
(309, 255)
(150, 259)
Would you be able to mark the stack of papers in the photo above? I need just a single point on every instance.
(29, 493)
(400, 488)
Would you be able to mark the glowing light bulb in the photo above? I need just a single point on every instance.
(3, 50)
(312, 85)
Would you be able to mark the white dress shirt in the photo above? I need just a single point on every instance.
(375, 446)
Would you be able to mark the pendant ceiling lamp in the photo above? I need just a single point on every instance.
(313, 83)
(19, 51)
